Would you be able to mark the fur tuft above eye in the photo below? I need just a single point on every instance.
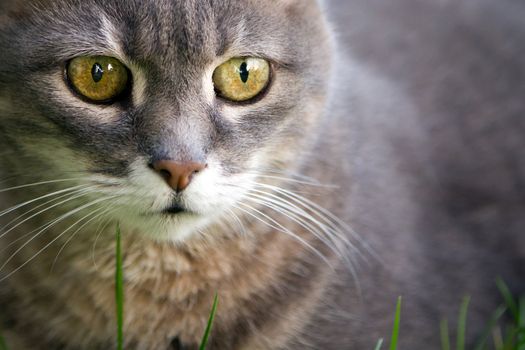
(99, 79)
(241, 79)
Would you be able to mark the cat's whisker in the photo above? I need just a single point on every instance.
(237, 221)
(310, 213)
(47, 226)
(277, 226)
(224, 223)
(95, 214)
(13, 242)
(312, 183)
(308, 210)
(332, 239)
(326, 214)
(40, 184)
(285, 173)
(21, 205)
(202, 233)
(321, 221)
(102, 227)
(301, 219)
(83, 192)
(34, 209)
(104, 224)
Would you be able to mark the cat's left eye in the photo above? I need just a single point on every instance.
(98, 78)
(242, 79)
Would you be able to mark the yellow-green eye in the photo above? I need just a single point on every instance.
(98, 78)
(241, 79)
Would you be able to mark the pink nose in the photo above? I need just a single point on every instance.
(177, 175)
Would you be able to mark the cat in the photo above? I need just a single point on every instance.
(242, 152)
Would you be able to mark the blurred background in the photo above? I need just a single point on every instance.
(462, 63)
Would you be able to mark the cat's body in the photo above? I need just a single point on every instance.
(356, 132)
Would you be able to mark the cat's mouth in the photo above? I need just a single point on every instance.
(175, 209)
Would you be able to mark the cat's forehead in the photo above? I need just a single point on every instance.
(188, 29)
(185, 29)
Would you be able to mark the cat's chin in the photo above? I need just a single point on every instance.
(173, 225)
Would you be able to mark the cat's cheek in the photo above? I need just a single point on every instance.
(233, 114)
(144, 182)
(208, 87)
(139, 86)
(214, 193)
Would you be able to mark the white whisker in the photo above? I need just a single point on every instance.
(238, 222)
(301, 182)
(286, 173)
(277, 226)
(291, 213)
(68, 193)
(94, 216)
(326, 214)
(62, 217)
(308, 213)
(40, 183)
(98, 232)
(18, 206)
(84, 192)
(334, 240)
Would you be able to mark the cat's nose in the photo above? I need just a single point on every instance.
(177, 175)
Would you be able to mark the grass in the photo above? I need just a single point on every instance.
(505, 335)
(206, 335)
(395, 329)
(379, 344)
(397, 322)
(445, 337)
(462, 324)
(3, 345)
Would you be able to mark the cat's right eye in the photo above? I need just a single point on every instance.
(98, 78)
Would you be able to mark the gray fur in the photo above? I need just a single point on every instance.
(432, 179)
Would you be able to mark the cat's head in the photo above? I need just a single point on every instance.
(173, 109)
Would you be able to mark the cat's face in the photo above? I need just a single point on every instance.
(169, 103)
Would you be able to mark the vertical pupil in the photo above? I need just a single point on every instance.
(243, 70)
(97, 72)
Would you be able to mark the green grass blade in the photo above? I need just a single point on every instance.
(206, 336)
(510, 338)
(521, 324)
(3, 344)
(379, 344)
(500, 311)
(445, 338)
(119, 292)
(462, 324)
(397, 321)
(497, 338)
(509, 299)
